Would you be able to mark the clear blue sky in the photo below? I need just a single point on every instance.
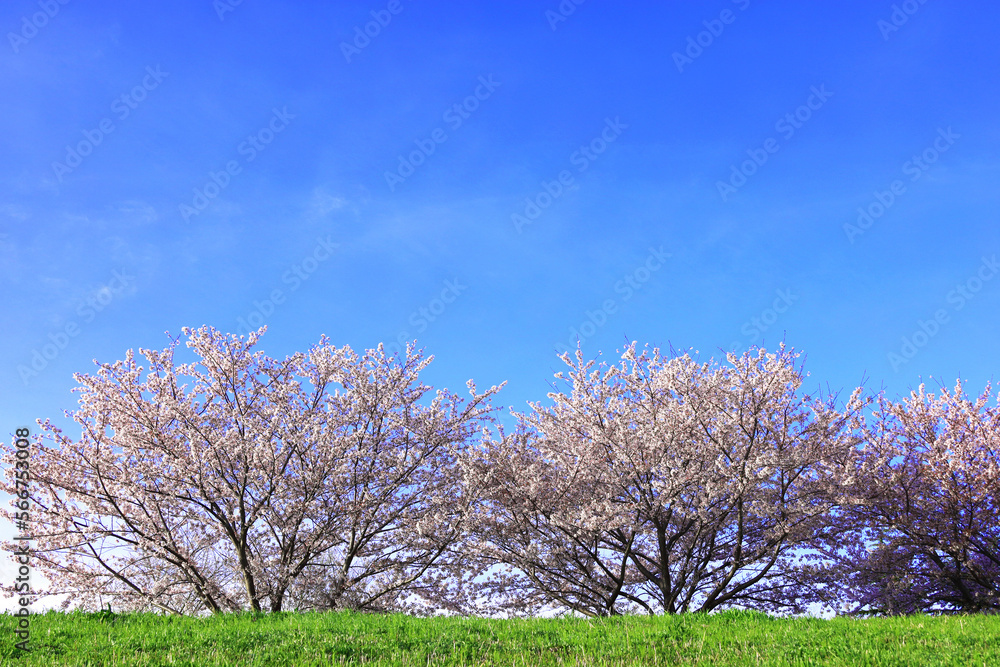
(674, 174)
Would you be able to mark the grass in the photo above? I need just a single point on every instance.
(273, 640)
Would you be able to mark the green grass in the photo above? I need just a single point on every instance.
(732, 638)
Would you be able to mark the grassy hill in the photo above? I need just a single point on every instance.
(730, 638)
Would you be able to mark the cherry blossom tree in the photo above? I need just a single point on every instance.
(240, 482)
(663, 486)
(920, 531)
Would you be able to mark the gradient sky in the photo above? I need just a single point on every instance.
(676, 174)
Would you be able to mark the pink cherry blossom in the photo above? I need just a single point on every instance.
(662, 485)
(239, 482)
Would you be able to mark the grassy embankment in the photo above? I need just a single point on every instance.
(732, 638)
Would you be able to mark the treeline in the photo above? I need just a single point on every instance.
(660, 485)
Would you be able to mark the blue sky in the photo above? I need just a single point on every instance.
(492, 180)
